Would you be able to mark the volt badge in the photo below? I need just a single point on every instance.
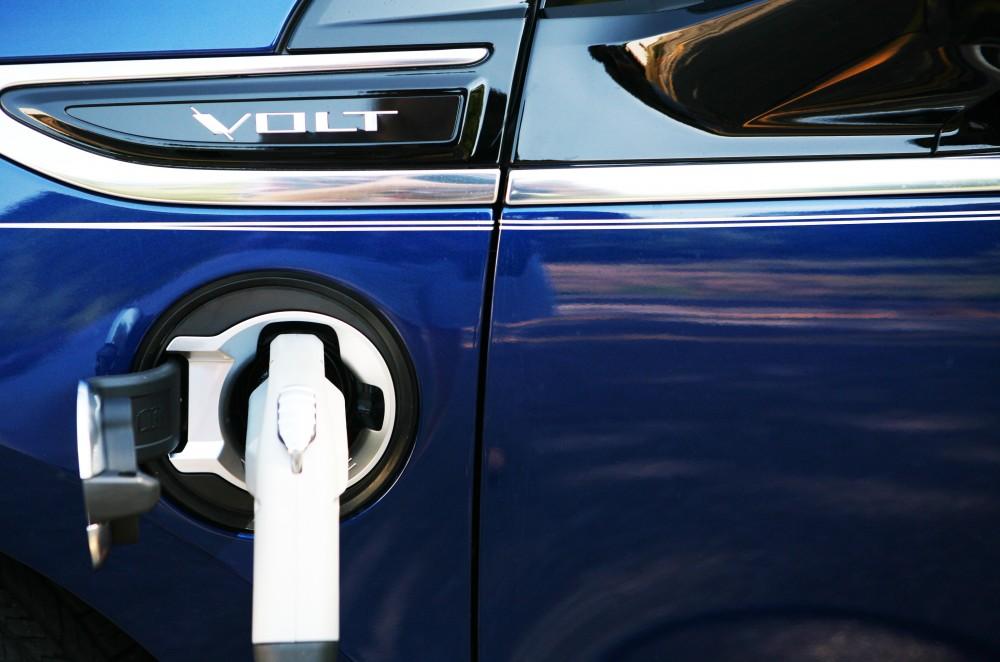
(293, 122)
(239, 124)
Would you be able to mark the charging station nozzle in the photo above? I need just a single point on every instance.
(297, 469)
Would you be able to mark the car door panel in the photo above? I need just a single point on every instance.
(740, 390)
(741, 429)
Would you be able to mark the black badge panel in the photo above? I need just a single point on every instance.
(385, 120)
(308, 121)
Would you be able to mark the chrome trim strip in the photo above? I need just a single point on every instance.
(48, 73)
(211, 187)
(681, 222)
(764, 217)
(256, 226)
(695, 224)
(752, 181)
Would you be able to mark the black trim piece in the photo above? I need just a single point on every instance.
(743, 79)
(290, 26)
(415, 117)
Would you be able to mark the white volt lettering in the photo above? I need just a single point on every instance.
(292, 122)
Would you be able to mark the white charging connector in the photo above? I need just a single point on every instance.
(297, 468)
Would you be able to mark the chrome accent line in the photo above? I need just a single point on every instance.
(752, 181)
(764, 220)
(706, 225)
(931, 214)
(292, 226)
(212, 187)
(255, 65)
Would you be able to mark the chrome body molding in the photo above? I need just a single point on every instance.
(257, 226)
(201, 186)
(681, 222)
(752, 181)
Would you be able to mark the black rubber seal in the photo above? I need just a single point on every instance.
(212, 309)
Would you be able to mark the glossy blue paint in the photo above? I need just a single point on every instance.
(736, 443)
(52, 29)
(184, 591)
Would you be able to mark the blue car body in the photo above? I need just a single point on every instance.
(649, 429)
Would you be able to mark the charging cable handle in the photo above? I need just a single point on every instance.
(297, 468)
(122, 421)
